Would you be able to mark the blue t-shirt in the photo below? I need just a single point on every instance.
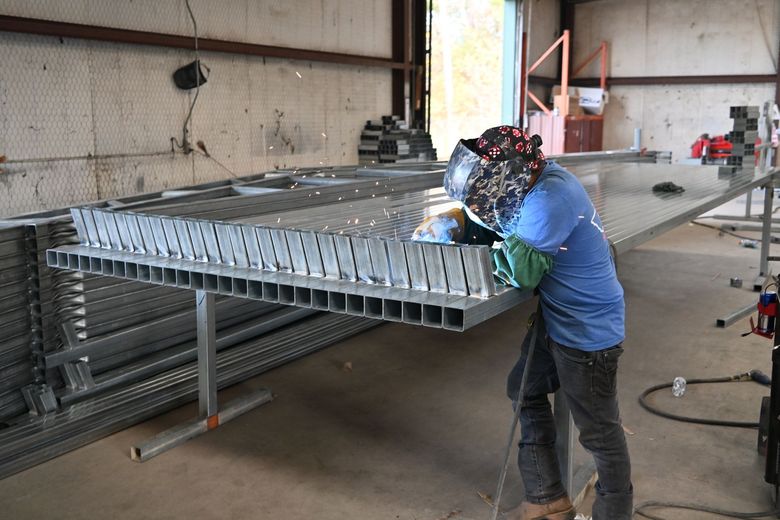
(582, 300)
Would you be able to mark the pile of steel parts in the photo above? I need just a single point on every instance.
(98, 334)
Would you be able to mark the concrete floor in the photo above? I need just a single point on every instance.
(416, 429)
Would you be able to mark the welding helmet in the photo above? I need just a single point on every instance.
(491, 175)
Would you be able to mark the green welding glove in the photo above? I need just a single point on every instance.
(520, 265)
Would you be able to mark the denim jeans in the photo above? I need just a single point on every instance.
(589, 382)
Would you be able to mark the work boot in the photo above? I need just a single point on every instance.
(560, 509)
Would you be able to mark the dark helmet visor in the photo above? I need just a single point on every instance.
(463, 163)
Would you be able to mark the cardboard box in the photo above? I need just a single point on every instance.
(591, 100)
(568, 105)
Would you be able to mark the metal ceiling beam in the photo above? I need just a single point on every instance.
(664, 80)
(115, 35)
(421, 61)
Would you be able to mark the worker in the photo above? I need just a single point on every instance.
(551, 239)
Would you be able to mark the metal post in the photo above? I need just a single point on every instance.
(565, 73)
(603, 76)
(766, 229)
(637, 139)
(207, 354)
(564, 440)
(771, 470)
(773, 427)
(576, 480)
(524, 14)
(766, 138)
(209, 416)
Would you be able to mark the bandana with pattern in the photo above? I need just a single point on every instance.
(491, 175)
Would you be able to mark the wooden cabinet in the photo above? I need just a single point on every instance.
(583, 134)
(571, 134)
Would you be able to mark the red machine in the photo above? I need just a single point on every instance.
(709, 148)
(713, 150)
(767, 314)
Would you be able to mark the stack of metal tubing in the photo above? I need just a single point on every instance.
(15, 347)
(89, 355)
(399, 280)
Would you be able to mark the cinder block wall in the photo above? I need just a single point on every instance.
(83, 120)
(683, 38)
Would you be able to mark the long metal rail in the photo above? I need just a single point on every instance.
(345, 257)
(413, 306)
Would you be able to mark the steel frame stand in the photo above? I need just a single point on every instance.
(575, 480)
(210, 415)
(766, 237)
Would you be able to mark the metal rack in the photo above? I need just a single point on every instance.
(240, 251)
(357, 256)
(113, 325)
(130, 359)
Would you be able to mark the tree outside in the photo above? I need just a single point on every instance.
(466, 69)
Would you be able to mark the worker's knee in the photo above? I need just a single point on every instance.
(537, 421)
(605, 439)
(537, 404)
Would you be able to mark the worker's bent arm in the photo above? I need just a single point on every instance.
(519, 264)
(543, 224)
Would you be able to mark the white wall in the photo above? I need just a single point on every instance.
(350, 26)
(63, 102)
(674, 37)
